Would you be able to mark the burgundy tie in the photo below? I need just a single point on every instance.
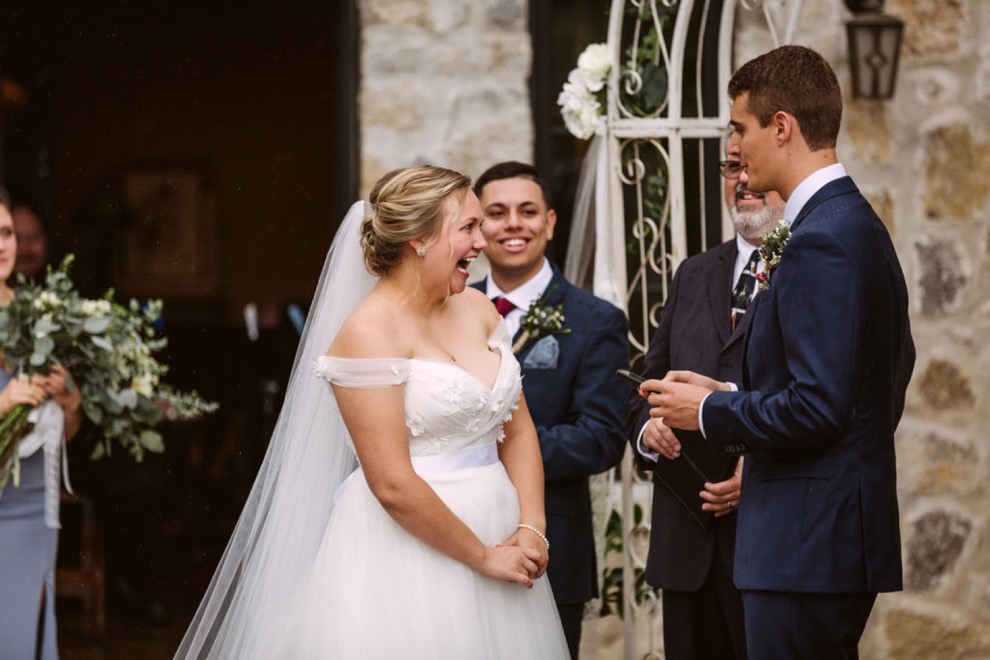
(503, 305)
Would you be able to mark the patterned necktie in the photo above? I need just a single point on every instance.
(745, 287)
(503, 305)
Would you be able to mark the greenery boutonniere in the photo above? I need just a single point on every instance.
(541, 320)
(771, 249)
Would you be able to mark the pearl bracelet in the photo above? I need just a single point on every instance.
(535, 531)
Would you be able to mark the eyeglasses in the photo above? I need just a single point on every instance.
(730, 169)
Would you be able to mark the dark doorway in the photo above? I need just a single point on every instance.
(254, 102)
(561, 29)
(254, 97)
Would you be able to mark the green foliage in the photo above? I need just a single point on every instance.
(613, 590)
(645, 58)
(541, 319)
(108, 348)
(772, 249)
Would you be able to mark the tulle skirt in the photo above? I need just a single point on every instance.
(377, 592)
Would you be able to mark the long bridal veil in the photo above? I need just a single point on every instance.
(280, 528)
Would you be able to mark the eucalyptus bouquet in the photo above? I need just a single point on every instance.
(108, 348)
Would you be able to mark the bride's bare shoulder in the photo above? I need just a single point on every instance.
(478, 307)
(370, 332)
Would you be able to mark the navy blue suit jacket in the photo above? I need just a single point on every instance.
(695, 334)
(578, 405)
(827, 361)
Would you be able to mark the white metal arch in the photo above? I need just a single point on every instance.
(643, 238)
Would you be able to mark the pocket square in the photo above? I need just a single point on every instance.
(543, 355)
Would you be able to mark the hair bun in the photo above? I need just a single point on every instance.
(405, 205)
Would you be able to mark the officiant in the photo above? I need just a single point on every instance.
(701, 329)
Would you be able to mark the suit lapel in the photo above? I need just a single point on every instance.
(744, 328)
(841, 186)
(552, 296)
(741, 324)
(720, 296)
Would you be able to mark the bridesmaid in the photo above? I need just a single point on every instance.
(28, 542)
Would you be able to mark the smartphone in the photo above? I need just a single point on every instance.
(632, 377)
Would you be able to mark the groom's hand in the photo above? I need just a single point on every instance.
(692, 378)
(677, 398)
(676, 403)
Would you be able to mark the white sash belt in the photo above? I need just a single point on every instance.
(459, 459)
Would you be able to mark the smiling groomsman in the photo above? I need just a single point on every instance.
(568, 366)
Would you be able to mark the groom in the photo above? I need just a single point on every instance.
(577, 402)
(828, 356)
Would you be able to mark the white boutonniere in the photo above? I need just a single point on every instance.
(771, 250)
(541, 320)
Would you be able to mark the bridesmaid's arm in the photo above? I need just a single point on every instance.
(520, 454)
(376, 423)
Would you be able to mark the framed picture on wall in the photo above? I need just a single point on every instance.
(167, 247)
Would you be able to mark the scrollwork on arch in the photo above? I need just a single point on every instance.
(645, 175)
(646, 61)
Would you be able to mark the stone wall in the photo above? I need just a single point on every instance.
(443, 82)
(923, 159)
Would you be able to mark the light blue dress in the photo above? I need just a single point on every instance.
(27, 565)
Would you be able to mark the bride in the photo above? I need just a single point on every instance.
(434, 546)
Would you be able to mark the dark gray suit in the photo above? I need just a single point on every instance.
(695, 335)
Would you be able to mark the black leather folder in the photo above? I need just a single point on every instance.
(686, 475)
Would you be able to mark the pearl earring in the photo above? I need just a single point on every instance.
(421, 251)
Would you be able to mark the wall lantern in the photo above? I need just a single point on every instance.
(874, 48)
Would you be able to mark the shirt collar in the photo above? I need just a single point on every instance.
(744, 248)
(807, 188)
(525, 293)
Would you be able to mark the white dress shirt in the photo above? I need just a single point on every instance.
(807, 189)
(522, 296)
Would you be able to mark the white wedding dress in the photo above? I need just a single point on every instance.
(316, 569)
(375, 591)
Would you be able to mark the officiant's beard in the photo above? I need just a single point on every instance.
(751, 225)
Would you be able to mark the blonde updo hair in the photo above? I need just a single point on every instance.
(405, 205)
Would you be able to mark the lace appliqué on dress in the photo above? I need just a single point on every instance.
(446, 406)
